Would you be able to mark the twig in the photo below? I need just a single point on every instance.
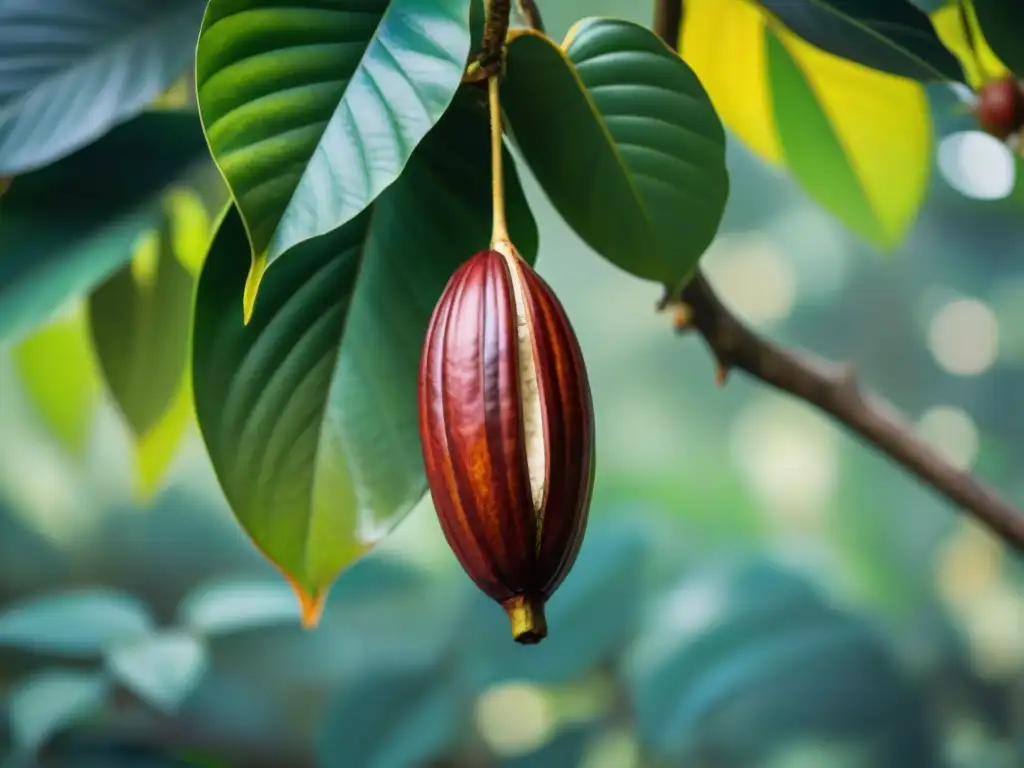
(835, 392)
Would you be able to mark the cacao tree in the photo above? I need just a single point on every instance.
(304, 228)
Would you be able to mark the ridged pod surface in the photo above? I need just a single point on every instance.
(507, 426)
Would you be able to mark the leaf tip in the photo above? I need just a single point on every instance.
(311, 604)
(252, 286)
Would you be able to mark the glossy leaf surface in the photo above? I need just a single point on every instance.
(617, 123)
(107, 194)
(858, 140)
(313, 108)
(69, 71)
(892, 36)
(309, 412)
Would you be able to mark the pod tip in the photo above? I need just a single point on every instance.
(526, 613)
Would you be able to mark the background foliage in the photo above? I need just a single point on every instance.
(755, 588)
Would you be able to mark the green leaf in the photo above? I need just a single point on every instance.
(1002, 21)
(139, 319)
(313, 108)
(66, 227)
(891, 36)
(622, 137)
(309, 412)
(58, 375)
(71, 70)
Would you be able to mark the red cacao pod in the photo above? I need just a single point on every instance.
(507, 428)
(1000, 109)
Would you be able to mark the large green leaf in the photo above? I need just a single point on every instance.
(1002, 21)
(313, 108)
(67, 226)
(69, 70)
(892, 36)
(309, 412)
(624, 140)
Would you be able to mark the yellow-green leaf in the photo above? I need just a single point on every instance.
(767, 85)
(980, 63)
(58, 376)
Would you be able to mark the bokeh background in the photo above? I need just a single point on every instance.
(756, 587)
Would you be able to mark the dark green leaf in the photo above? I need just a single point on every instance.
(70, 70)
(140, 331)
(309, 413)
(1002, 22)
(67, 226)
(889, 35)
(624, 141)
(313, 108)
(390, 718)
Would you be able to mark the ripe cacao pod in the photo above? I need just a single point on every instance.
(507, 428)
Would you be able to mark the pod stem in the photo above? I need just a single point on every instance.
(499, 224)
(526, 613)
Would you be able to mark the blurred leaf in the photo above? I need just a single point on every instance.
(1003, 24)
(225, 607)
(161, 669)
(191, 228)
(306, 79)
(391, 717)
(888, 35)
(139, 318)
(859, 141)
(107, 195)
(591, 617)
(309, 412)
(58, 375)
(722, 650)
(50, 701)
(79, 623)
(71, 71)
(156, 450)
(565, 750)
(619, 114)
(968, 43)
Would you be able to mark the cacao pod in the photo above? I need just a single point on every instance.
(507, 428)
(1000, 108)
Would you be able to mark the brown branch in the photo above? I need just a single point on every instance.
(833, 391)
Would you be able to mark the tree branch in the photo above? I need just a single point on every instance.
(832, 390)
